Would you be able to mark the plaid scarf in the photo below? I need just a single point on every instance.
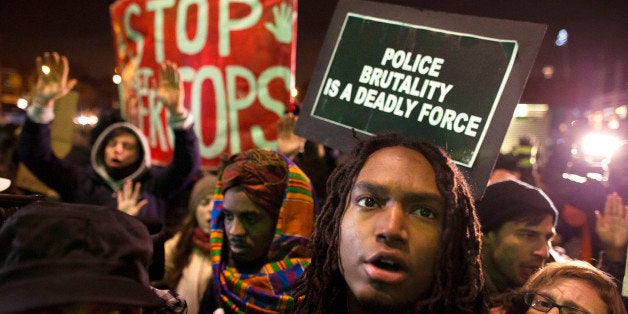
(269, 290)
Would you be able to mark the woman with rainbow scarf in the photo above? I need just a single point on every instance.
(261, 222)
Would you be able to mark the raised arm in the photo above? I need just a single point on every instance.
(611, 228)
(186, 158)
(35, 149)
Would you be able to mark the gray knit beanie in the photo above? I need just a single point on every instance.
(203, 187)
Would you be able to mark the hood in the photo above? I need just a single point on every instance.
(268, 290)
(98, 151)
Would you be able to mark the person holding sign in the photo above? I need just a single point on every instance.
(120, 175)
(398, 233)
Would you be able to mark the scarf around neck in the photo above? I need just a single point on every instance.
(269, 290)
(201, 241)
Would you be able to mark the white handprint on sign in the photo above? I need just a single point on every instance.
(282, 29)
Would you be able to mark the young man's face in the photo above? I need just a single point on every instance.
(573, 292)
(121, 151)
(517, 250)
(249, 229)
(389, 234)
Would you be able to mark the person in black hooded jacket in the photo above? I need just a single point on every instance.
(119, 156)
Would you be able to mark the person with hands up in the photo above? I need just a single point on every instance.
(612, 229)
(120, 174)
(129, 198)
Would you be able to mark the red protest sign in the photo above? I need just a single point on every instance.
(236, 59)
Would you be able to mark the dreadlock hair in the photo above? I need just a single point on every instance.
(457, 285)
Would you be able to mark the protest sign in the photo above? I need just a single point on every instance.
(449, 79)
(236, 59)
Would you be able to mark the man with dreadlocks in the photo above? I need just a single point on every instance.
(398, 233)
(261, 222)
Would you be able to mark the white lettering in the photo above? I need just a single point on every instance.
(196, 44)
(158, 7)
(226, 25)
(366, 74)
(450, 119)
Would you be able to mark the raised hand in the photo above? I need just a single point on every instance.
(52, 78)
(130, 104)
(170, 88)
(282, 29)
(128, 198)
(612, 227)
(289, 143)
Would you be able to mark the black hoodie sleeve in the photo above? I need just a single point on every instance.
(181, 171)
(35, 151)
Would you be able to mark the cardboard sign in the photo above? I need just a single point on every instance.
(236, 60)
(449, 79)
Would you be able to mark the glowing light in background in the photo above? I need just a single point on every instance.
(548, 72)
(561, 38)
(530, 110)
(45, 69)
(574, 177)
(22, 103)
(600, 144)
(117, 79)
(621, 111)
(613, 124)
(85, 119)
(521, 111)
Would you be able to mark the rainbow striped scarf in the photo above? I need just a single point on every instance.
(269, 290)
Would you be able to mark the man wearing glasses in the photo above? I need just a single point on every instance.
(572, 287)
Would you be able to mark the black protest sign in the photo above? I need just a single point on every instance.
(416, 81)
(450, 79)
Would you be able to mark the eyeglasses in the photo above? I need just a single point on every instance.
(544, 304)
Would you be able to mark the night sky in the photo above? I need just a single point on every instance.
(79, 29)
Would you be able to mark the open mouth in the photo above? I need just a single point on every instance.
(385, 270)
(387, 264)
(114, 161)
